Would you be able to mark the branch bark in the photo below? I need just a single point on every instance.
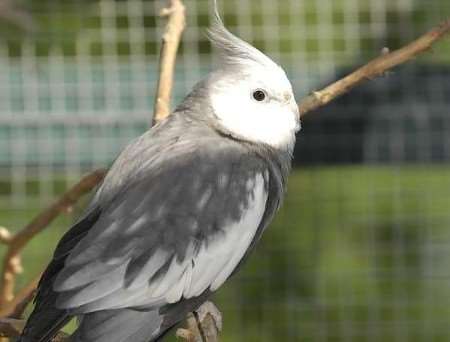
(170, 43)
(373, 69)
(10, 327)
(17, 306)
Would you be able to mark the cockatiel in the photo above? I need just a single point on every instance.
(180, 209)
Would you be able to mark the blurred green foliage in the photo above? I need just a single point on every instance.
(62, 24)
(354, 253)
(350, 253)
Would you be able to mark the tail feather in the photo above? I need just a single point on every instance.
(141, 324)
(46, 320)
(43, 324)
(119, 326)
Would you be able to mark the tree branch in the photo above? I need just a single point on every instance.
(374, 69)
(170, 43)
(11, 262)
(10, 327)
(17, 306)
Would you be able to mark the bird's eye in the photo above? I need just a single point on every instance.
(259, 95)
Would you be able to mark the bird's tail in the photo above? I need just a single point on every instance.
(119, 325)
(43, 325)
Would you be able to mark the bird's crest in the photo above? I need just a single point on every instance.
(233, 51)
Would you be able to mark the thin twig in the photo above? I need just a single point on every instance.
(11, 263)
(15, 308)
(375, 68)
(170, 42)
(10, 327)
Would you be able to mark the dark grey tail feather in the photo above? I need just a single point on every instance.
(174, 313)
(136, 325)
(46, 320)
(121, 325)
(43, 325)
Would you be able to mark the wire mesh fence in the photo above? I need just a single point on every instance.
(361, 249)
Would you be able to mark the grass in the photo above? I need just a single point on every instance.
(355, 251)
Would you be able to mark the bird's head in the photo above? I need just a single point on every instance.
(250, 95)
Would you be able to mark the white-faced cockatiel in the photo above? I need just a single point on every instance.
(180, 209)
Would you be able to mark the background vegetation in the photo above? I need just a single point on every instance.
(358, 252)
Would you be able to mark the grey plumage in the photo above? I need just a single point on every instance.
(103, 326)
(148, 211)
(178, 212)
(233, 51)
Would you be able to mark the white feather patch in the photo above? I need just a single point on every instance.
(273, 121)
(209, 268)
(216, 261)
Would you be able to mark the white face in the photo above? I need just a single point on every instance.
(258, 107)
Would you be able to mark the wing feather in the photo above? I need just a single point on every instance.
(174, 218)
(98, 289)
(178, 232)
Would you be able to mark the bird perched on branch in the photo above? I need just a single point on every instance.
(180, 209)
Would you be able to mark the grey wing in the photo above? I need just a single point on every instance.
(177, 232)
